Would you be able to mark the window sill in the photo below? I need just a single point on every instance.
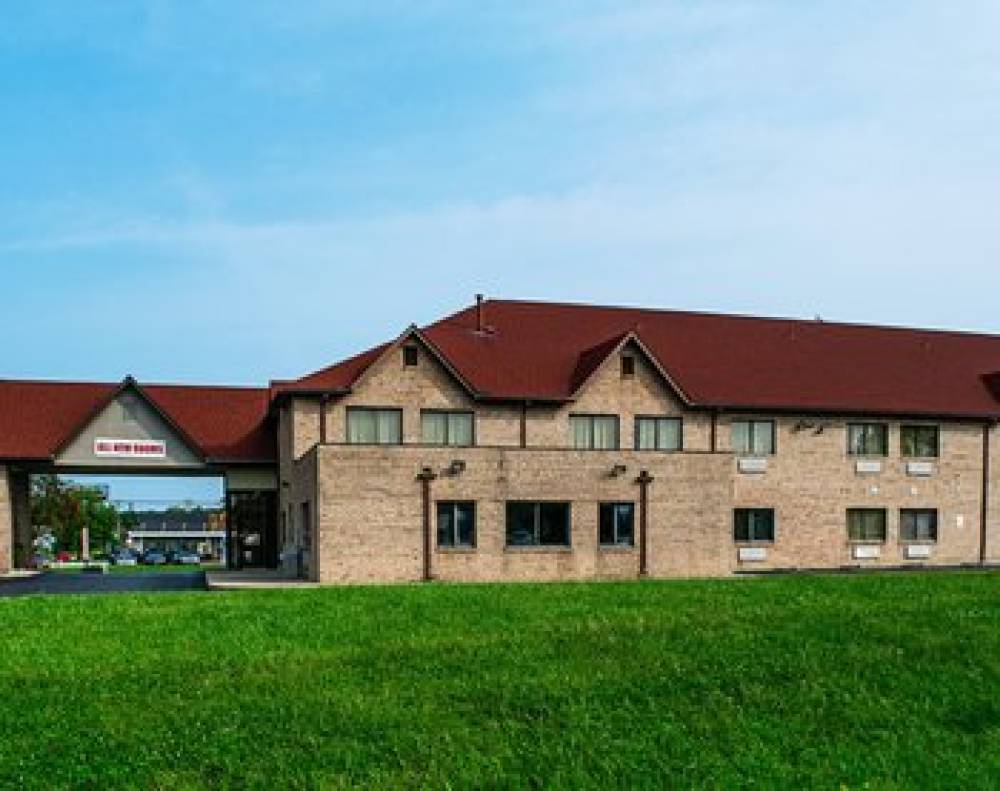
(917, 542)
(538, 550)
(754, 543)
(879, 542)
(623, 548)
(456, 550)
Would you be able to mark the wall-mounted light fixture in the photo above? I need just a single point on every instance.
(457, 467)
(618, 470)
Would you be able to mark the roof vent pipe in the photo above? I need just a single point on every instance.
(480, 324)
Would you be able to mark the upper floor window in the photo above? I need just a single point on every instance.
(753, 525)
(410, 356)
(918, 524)
(866, 524)
(594, 432)
(456, 522)
(367, 426)
(628, 366)
(537, 524)
(446, 428)
(920, 441)
(753, 437)
(868, 439)
(658, 433)
(617, 524)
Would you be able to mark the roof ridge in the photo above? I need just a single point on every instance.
(738, 316)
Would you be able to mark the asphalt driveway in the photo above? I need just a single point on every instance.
(103, 583)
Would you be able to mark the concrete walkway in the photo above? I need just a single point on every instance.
(258, 579)
(139, 582)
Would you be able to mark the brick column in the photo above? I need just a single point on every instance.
(6, 522)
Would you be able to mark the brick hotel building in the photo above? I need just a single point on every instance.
(536, 441)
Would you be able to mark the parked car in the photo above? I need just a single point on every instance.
(154, 557)
(124, 557)
(186, 557)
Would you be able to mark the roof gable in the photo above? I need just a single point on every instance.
(129, 416)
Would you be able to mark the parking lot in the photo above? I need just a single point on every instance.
(62, 582)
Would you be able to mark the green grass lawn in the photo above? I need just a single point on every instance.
(865, 681)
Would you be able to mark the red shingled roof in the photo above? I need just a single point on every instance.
(226, 423)
(544, 351)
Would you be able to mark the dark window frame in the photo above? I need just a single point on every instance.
(753, 423)
(916, 512)
(864, 539)
(614, 505)
(447, 429)
(750, 527)
(537, 509)
(355, 409)
(865, 424)
(656, 433)
(591, 416)
(411, 356)
(906, 427)
(628, 366)
(454, 505)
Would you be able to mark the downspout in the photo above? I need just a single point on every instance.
(643, 480)
(323, 401)
(984, 518)
(524, 424)
(425, 477)
(715, 431)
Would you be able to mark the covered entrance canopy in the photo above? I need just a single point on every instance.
(128, 428)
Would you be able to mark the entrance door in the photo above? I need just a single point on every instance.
(252, 526)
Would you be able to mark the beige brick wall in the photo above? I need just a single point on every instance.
(371, 526)
(993, 520)
(6, 523)
(811, 482)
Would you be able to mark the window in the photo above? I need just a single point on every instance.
(658, 433)
(920, 441)
(537, 524)
(753, 437)
(409, 356)
(866, 524)
(617, 524)
(918, 524)
(868, 439)
(628, 366)
(446, 428)
(594, 432)
(753, 524)
(374, 426)
(456, 524)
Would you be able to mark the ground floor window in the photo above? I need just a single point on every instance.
(753, 525)
(617, 524)
(537, 524)
(866, 524)
(456, 523)
(918, 524)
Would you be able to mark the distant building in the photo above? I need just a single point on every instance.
(200, 531)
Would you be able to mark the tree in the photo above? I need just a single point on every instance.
(64, 509)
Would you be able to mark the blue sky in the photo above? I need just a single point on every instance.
(230, 192)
